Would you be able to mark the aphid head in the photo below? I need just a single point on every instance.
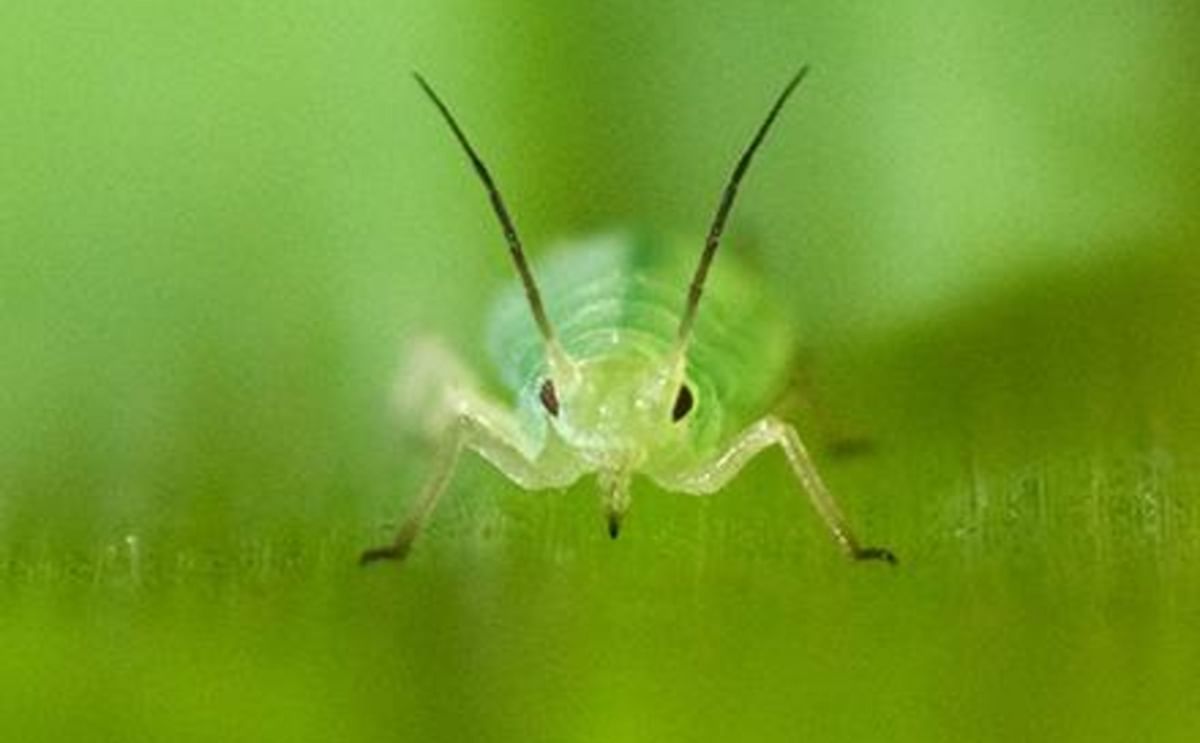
(616, 409)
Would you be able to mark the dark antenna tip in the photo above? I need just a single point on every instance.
(726, 204)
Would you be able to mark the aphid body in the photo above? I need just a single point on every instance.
(612, 379)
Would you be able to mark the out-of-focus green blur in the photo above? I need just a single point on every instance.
(219, 224)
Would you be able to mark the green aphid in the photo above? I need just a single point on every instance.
(616, 373)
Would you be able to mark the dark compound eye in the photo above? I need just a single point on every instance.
(549, 398)
(683, 403)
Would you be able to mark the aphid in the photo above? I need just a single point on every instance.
(617, 373)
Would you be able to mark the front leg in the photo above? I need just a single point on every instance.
(714, 474)
(458, 417)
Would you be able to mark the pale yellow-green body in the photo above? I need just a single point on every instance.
(612, 372)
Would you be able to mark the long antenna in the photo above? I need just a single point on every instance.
(506, 223)
(718, 224)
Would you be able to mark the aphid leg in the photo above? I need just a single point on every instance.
(436, 388)
(771, 431)
(486, 429)
(420, 510)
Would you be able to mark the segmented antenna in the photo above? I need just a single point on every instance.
(506, 223)
(718, 224)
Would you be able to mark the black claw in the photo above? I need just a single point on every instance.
(392, 552)
(876, 553)
(614, 525)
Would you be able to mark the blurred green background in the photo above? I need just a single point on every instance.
(219, 223)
